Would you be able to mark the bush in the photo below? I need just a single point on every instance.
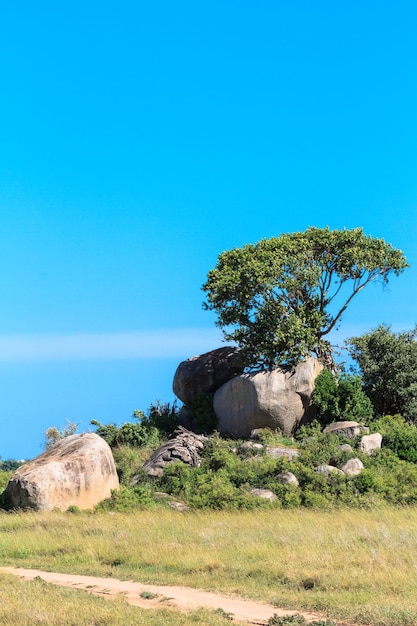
(128, 499)
(340, 399)
(398, 436)
(163, 416)
(200, 413)
(129, 434)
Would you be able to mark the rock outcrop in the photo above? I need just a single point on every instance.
(277, 399)
(206, 373)
(185, 446)
(347, 429)
(77, 471)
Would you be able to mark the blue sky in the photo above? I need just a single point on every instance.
(139, 140)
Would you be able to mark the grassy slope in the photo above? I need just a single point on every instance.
(354, 565)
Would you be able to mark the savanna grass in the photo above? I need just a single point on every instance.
(353, 565)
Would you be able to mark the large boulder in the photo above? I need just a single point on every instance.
(206, 373)
(279, 399)
(77, 471)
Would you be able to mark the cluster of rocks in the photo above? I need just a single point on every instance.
(279, 399)
(185, 446)
(79, 470)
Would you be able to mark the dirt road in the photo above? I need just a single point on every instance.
(157, 596)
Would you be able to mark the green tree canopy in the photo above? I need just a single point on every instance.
(388, 364)
(278, 299)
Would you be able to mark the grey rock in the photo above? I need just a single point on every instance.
(288, 478)
(251, 445)
(206, 373)
(184, 446)
(279, 399)
(327, 469)
(347, 429)
(353, 467)
(264, 493)
(277, 452)
(77, 471)
(369, 443)
(346, 447)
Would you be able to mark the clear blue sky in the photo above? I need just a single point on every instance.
(141, 139)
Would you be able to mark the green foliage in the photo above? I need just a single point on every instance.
(129, 434)
(129, 461)
(398, 436)
(162, 416)
(296, 620)
(159, 422)
(10, 465)
(54, 434)
(128, 499)
(4, 479)
(201, 413)
(274, 298)
(340, 399)
(224, 614)
(388, 364)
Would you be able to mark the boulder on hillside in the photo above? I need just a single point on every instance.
(77, 471)
(206, 373)
(279, 399)
(353, 467)
(370, 443)
(288, 478)
(185, 446)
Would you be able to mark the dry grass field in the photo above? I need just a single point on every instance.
(359, 566)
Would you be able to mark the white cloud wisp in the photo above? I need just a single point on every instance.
(159, 344)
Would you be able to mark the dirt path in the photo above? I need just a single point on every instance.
(179, 598)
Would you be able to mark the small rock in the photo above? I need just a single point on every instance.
(264, 493)
(288, 478)
(353, 467)
(251, 445)
(369, 443)
(328, 469)
(277, 452)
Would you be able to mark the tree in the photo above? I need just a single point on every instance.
(54, 434)
(388, 364)
(274, 298)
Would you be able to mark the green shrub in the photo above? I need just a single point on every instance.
(201, 413)
(163, 416)
(296, 620)
(128, 499)
(129, 461)
(398, 436)
(129, 434)
(340, 399)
